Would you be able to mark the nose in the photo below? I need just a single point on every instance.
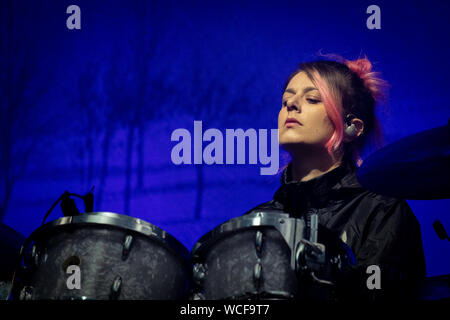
(292, 105)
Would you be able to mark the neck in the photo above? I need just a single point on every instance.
(309, 164)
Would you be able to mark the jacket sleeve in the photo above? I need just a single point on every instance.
(391, 240)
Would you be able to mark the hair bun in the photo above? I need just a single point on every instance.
(361, 66)
(372, 81)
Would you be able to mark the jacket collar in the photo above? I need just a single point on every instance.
(301, 195)
(324, 181)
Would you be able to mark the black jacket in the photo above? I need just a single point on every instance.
(379, 230)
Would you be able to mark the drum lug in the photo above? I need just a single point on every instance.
(33, 251)
(198, 296)
(257, 274)
(115, 288)
(44, 256)
(258, 266)
(26, 293)
(35, 256)
(199, 273)
(258, 242)
(127, 247)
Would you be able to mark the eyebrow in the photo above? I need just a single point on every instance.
(305, 90)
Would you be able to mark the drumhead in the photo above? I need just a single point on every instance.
(116, 220)
(290, 228)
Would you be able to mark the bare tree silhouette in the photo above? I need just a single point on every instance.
(151, 17)
(88, 102)
(134, 86)
(117, 99)
(22, 125)
(214, 100)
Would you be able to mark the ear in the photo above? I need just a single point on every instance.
(353, 130)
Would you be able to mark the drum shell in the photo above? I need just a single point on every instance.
(149, 270)
(231, 261)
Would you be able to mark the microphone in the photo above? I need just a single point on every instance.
(68, 206)
(89, 202)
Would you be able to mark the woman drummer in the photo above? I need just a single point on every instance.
(326, 117)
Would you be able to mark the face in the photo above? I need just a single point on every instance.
(303, 119)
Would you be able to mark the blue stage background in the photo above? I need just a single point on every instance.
(97, 106)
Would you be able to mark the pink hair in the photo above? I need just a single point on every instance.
(333, 107)
(363, 68)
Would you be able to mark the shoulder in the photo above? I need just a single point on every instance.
(369, 212)
(383, 217)
(383, 203)
(374, 202)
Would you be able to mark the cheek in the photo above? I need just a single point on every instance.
(281, 118)
(327, 129)
(321, 119)
(321, 124)
(328, 125)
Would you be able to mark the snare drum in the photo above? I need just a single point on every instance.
(248, 258)
(114, 256)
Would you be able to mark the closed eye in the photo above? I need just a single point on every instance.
(313, 101)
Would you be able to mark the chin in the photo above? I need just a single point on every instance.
(290, 139)
(289, 145)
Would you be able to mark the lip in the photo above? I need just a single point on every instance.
(291, 122)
